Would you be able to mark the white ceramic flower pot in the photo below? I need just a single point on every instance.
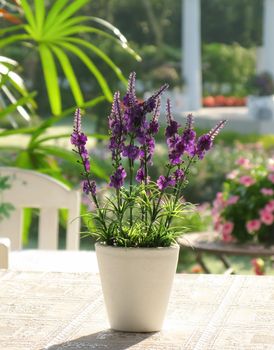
(136, 284)
(261, 108)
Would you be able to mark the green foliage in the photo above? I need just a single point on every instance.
(230, 21)
(38, 154)
(227, 68)
(152, 212)
(13, 94)
(55, 34)
(252, 184)
(261, 84)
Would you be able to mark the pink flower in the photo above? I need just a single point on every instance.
(244, 162)
(271, 177)
(270, 206)
(267, 191)
(253, 225)
(266, 217)
(217, 224)
(219, 201)
(246, 180)
(232, 175)
(232, 200)
(227, 230)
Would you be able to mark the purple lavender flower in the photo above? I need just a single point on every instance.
(130, 98)
(172, 125)
(175, 157)
(215, 131)
(117, 179)
(77, 121)
(117, 128)
(131, 151)
(153, 127)
(89, 187)
(205, 141)
(140, 175)
(78, 139)
(165, 181)
(172, 129)
(151, 102)
(179, 174)
(204, 144)
(189, 136)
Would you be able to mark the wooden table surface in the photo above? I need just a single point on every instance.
(53, 260)
(66, 311)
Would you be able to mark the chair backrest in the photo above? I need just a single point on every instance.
(30, 189)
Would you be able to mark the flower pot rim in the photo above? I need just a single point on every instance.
(103, 245)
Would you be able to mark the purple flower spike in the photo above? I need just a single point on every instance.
(78, 138)
(205, 141)
(189, 121)
(118, 178)
(154, 124)
(204, 144)
(151, 103)
(179, 174)
(164, 182)
(130, 98)
(215, 131)
(172, 128)
(89, 187)
(140, 175)
(77, 121)
(130, 151)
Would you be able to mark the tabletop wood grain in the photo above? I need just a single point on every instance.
(66, 311)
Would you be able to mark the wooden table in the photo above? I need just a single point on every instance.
(209, 242)
(66, 311)
(53, 260)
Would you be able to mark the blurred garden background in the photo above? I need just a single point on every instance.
(57, 55)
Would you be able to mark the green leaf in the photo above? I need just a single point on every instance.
(70, 10)
(67, 135)
(102, 55)
(13, 38)
(69, 73)
(24, 160)
(117, 32)
(39, 15)
(91, 66)
(23, 100)
(53, 13)
(54, 35)
(11, 29)
(28, 13)
(52, 120)
(18, 131)
(27, 218)
(51, 78)
(59, 152)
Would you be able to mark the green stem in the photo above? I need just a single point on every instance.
(154, 215)
(177, 193)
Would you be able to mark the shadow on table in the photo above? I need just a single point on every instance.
(107, 339)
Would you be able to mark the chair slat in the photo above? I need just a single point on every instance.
(73, 224)
(48, 229)
(12, 228)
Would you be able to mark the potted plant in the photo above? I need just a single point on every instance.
(260, 102)
(137, 251)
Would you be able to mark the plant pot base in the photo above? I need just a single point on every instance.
(136, 284)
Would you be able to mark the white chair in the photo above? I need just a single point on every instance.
(30, 189)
